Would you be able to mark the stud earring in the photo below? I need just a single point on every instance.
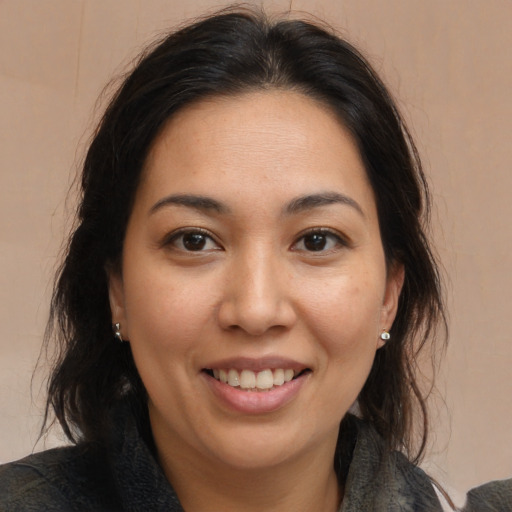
(384, 336)
(117, 332)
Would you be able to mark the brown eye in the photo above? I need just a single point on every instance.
(315, 242)
(192, 240)
(319, 241)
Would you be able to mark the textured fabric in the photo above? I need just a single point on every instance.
(491, 497)
(385, 483)
(126, 477)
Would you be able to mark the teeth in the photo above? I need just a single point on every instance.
(233, 379)
(247, 379)
(278, 377)
(265, 380)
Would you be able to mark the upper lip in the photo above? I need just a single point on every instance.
(256, 364)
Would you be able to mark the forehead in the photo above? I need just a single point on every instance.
(255, 143)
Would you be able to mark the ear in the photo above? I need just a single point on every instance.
(394, 283)
(116, 298)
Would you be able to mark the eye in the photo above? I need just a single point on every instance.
(192, 240)
(319, 240)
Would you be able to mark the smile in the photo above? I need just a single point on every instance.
(249, 380)
(256, 386)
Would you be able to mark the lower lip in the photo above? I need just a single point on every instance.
(255, 402)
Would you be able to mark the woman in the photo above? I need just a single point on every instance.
(249, 264)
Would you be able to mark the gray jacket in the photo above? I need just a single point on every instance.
(126, 477)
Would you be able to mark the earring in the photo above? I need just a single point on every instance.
(117, 332)
(385, 335)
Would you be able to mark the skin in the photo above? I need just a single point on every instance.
(254, 288)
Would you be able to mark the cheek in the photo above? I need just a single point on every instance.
(346, 313)
(165, 312)
(169, 324)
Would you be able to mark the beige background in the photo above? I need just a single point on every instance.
(448, 62)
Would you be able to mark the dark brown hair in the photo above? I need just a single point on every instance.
(230, 53)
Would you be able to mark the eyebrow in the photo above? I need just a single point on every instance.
(202, 203)
(304, 203)
(297, 205)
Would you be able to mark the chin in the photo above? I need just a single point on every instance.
(252, 458)
(258, 447)
(254, 449)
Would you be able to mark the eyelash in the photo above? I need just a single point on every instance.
(325, 232)
(171, 240)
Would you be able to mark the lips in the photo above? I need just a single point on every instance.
(256, 386)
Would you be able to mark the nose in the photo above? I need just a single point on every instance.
(257, 295)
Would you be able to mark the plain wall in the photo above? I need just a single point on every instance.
(449, 65)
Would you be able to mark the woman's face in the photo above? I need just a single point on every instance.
(253, 255)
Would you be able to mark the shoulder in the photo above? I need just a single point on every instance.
(69, 478)
(491, 497)
(381, 480)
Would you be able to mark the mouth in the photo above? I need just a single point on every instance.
(261, 381)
